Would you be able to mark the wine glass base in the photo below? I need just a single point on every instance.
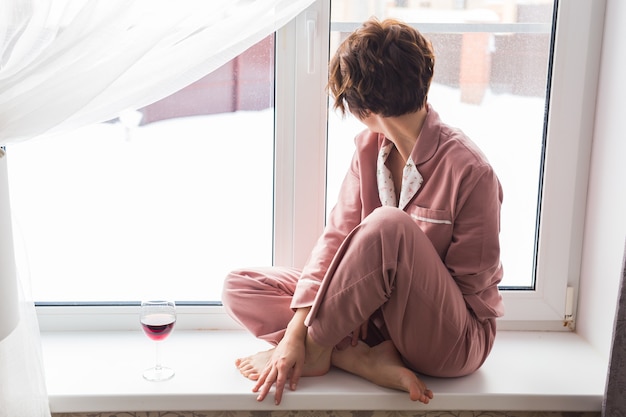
(158, 374)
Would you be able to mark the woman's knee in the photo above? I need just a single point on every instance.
(234, 279)
(388, 216)
(231, 288)
(262, 281)
(390, 221)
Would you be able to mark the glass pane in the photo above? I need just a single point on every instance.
(491, 78)
(161, 202)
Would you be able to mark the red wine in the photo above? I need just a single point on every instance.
(157, 326)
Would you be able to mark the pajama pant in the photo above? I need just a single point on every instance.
(386, 272)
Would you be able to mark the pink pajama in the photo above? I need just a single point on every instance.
(425, 274)
(387, 271)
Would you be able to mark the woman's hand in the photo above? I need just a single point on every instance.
(285, 365)
(360, 333)
(287, 361)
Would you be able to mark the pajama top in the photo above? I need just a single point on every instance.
(451, 192)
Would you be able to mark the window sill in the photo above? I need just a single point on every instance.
(101, 371)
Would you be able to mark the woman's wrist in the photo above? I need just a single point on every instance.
(296, 326)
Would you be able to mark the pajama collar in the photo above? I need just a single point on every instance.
(411, 179)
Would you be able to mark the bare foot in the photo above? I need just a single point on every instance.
(316, 361)
(383, 366)
(251, 366)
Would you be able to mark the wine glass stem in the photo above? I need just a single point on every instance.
(158, 355)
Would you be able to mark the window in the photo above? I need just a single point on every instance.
(296, 169)
(503, 74)
(163, 201)
(491, 81)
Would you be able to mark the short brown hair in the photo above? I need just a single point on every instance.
(383, 68)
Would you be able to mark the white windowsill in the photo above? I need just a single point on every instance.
(101, 371)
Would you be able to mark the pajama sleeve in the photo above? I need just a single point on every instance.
(344, 217)
(473, 256)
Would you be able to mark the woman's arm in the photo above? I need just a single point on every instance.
(287, 361)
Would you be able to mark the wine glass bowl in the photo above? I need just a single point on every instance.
(157, 320)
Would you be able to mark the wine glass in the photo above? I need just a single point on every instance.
(157, 320)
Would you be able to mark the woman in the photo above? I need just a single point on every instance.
(404, 278)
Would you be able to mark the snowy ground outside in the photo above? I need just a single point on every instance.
(102, 216)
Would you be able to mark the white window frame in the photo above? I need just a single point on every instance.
(574, 78)
(302, 48)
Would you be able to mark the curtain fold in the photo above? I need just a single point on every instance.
(22, 384)
(64, 67)
(68, 63)
(9, 312)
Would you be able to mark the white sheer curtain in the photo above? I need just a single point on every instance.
(67, 63)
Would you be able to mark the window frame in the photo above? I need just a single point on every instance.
(569, 130)
(302, 48)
